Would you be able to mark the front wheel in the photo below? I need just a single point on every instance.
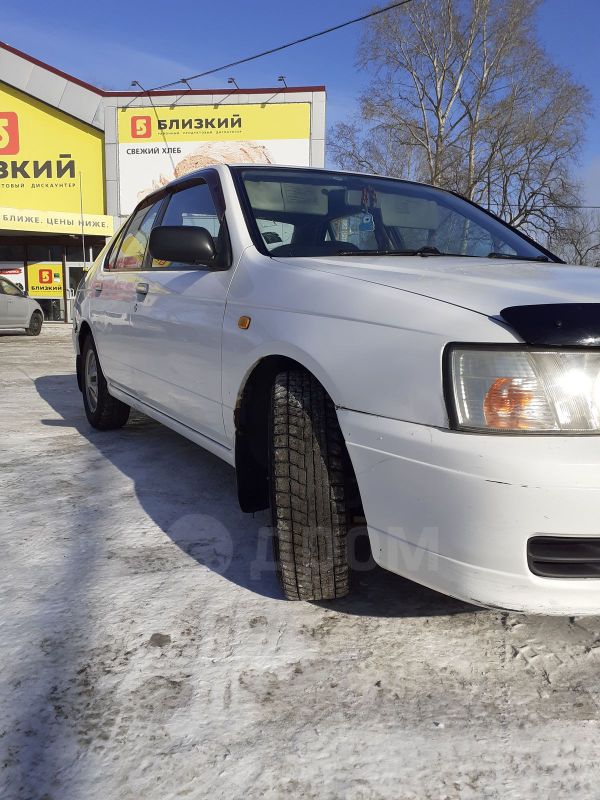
(308, 490)
(103, 411)
(35, 324)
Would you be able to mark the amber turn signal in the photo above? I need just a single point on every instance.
(505, 404)
(244, 323)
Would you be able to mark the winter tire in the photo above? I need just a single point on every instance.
(103, 411)
(35, 324)
(308, 490)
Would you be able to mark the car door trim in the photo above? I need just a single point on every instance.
(213, 446)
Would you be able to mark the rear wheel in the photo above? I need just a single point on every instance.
(35, 324)
(308, 490)
(102, 410)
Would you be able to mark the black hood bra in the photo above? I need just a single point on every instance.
(556, 324)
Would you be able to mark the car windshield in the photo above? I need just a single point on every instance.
(319, 213)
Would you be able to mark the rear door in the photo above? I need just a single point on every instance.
(177, 320)
(113, 294)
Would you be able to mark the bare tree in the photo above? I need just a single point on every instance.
(463, 97)
(577, 239)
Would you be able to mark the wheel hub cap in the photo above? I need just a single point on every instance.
(91, 380)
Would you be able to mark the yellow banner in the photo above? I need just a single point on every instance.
(45, 279)
(42, 154)
(23, 219)
(223, 122)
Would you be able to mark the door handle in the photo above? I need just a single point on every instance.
(142, 288)
(98, 288)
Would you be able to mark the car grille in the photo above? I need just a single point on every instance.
(564, 557)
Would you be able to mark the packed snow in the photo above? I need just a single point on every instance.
(146, 651)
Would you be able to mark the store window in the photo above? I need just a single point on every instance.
(12, 252)
(45, 252)
(75, 252)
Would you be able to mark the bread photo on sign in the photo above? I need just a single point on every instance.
(223, 153)
(213, 153)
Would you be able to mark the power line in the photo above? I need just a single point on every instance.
(282, 47)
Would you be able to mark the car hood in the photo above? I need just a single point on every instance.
(483, 285)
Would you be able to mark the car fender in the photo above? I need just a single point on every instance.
(374, 348)
(34, 306)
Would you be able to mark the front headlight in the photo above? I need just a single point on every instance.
(497, 389)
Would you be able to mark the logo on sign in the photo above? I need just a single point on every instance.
(9, 133)
(141, 127)
(45, 276)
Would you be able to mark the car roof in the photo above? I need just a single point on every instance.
(222, 168)
(327, 170)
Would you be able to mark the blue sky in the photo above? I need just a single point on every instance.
(114, 43)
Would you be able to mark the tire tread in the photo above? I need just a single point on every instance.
(33, 331)
(110, 413)
(308, 490)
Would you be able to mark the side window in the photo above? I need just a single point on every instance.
(132, 248)
(457, 234)
(193, 206)
(11, 289)
(1, 286)
(113, 252)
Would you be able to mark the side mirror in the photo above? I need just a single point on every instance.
(184, 244)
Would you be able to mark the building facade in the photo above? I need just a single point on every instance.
(76, 159)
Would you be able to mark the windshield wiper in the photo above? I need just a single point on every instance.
(422, 251)
(427, 250)
(518, 258)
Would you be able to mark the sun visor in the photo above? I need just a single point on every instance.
(292, 197)
(408, 212)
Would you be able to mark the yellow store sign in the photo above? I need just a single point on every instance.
(45, 279)
(262, 121)
(159, 143)
(28, 219)
(48, 161)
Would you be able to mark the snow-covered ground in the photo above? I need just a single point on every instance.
(145, 651)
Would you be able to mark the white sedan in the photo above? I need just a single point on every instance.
(359, 347)
(17, 310)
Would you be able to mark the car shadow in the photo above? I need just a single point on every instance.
(190, 495)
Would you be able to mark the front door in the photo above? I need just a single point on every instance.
(113, 293)
(176, 325)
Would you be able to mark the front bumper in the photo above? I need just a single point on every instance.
(454, 511)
